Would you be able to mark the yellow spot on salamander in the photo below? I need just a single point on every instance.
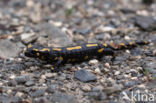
(72, 48)
(91, 45)
(105, 45)
(29, 46)
(101, 50)
(61, 58)
(114, 55)
(146, 42)
(35, 49)
(123, 44)
(55, 58)
(45, 49)
(37, 54)
(131, 43)
(57, 49)
(52, 68)
(86, 57)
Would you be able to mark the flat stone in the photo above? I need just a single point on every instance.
(55, 35)
(28, 37)
(82, 31)
(98, 95)
(15, 67)
(59, 97)
(38, 93)
(127, 10)
(9, 49)
(84, 76)
(145, 23)
(29, 83)
(5, 99)
(22, 79)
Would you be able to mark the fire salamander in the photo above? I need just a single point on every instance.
(58, 56)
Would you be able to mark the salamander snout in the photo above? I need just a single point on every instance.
(31, 51)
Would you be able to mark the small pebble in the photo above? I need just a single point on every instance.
(97, 70)
(86, 88)
(117, 73)
(19, 94)
(49, 75)
(84, 76)
(107, 65)
(12, 77)
(93, 62)
(29, 83)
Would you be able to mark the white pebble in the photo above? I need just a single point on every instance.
(107, 65)
(97, 70)
(93, 62)
(12, 77)
(19, 94)
(117, 73)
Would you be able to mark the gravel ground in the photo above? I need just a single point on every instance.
(59, 23)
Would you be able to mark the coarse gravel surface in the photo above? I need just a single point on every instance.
(58, 23)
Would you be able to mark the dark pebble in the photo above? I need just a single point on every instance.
(29, 83)
(68, 66)
(127, 11)
(59, 97)
(134, 73)
(100, 36)
(16, 67)
(149, 53)
(68, 76)
(98, 95)
(12, 83)
(82, 31)
(38, 93)
(18, 3)
(136, 52)
(52, 88)
(145, 23)
(131, 83)
(21, 79)
(84, 76)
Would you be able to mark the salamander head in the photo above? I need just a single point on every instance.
(43, 53)
(32, 51)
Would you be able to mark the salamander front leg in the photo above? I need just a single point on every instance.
(113, 56)
(57, 64)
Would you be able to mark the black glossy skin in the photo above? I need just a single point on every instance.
(77, 54)
(84, 52)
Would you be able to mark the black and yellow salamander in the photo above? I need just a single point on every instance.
(58, 56)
